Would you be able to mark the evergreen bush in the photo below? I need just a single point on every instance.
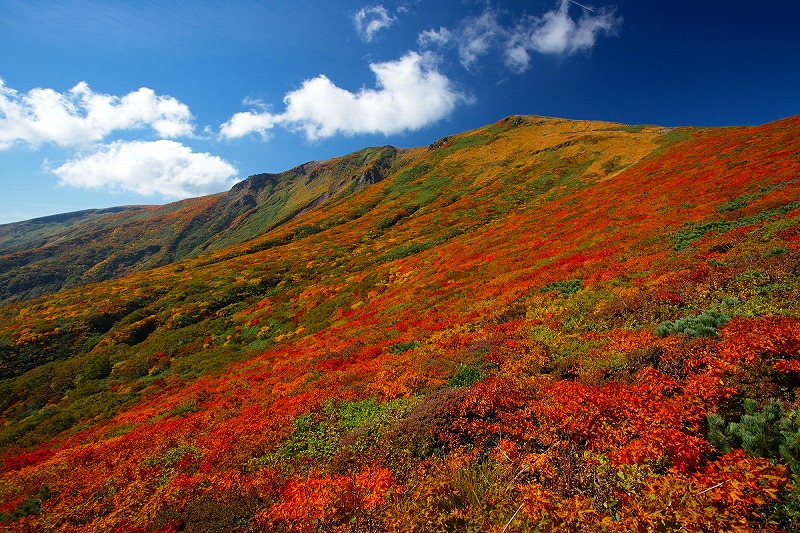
(703, 325)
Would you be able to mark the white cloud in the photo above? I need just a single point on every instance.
(248, 122)
(370, 20)
(410, 95)
(81, 116)
(476, 37)
(557, 33)
(517, 57)
(161, 167)
(429, 38)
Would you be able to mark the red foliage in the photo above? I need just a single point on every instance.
(589, 421)
(312, 501)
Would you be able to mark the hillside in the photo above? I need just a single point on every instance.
(44, 255)
(538, 325)
(36, 232)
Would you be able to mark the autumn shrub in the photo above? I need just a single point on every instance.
(41, 344)
(763, 355)
(732, 494)
(455, 494)
(420, 430)
(586, 422)
(314, 502)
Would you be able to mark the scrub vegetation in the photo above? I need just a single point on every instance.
(540, 325)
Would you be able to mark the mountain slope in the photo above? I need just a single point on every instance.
(45, 255)
(579, 307)
(34, 233)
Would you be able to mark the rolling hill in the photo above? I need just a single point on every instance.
(538, 325)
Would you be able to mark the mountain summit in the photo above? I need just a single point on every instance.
(538, 325)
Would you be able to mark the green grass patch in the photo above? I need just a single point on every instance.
(318, 436)
(466, 375)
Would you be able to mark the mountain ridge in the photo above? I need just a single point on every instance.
(194, 224)
(194, 235)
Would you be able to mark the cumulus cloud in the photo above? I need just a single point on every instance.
(160, 167)
(81, 116)
(410, 95)
(248, 122)
(370, 20)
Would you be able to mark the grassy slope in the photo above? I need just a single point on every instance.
(487, 282)
(38, 231)
(46, 255)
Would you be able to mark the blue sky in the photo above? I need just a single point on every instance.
(107, 103)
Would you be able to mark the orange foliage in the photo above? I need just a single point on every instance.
(503, 294)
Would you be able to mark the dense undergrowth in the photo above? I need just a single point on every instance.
(541, 325)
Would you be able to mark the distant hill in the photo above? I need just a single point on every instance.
(48, 254)
(538, 325)
(38, 231)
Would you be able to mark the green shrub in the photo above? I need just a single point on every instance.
(405, 250)
(703, 325)
(734, 205)
(318, 436)
(773, 433)
(184, 409)
(98, 367)
(757, 432)
(566, 287)
(29, 506)
(692, 231)
(400, 347)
